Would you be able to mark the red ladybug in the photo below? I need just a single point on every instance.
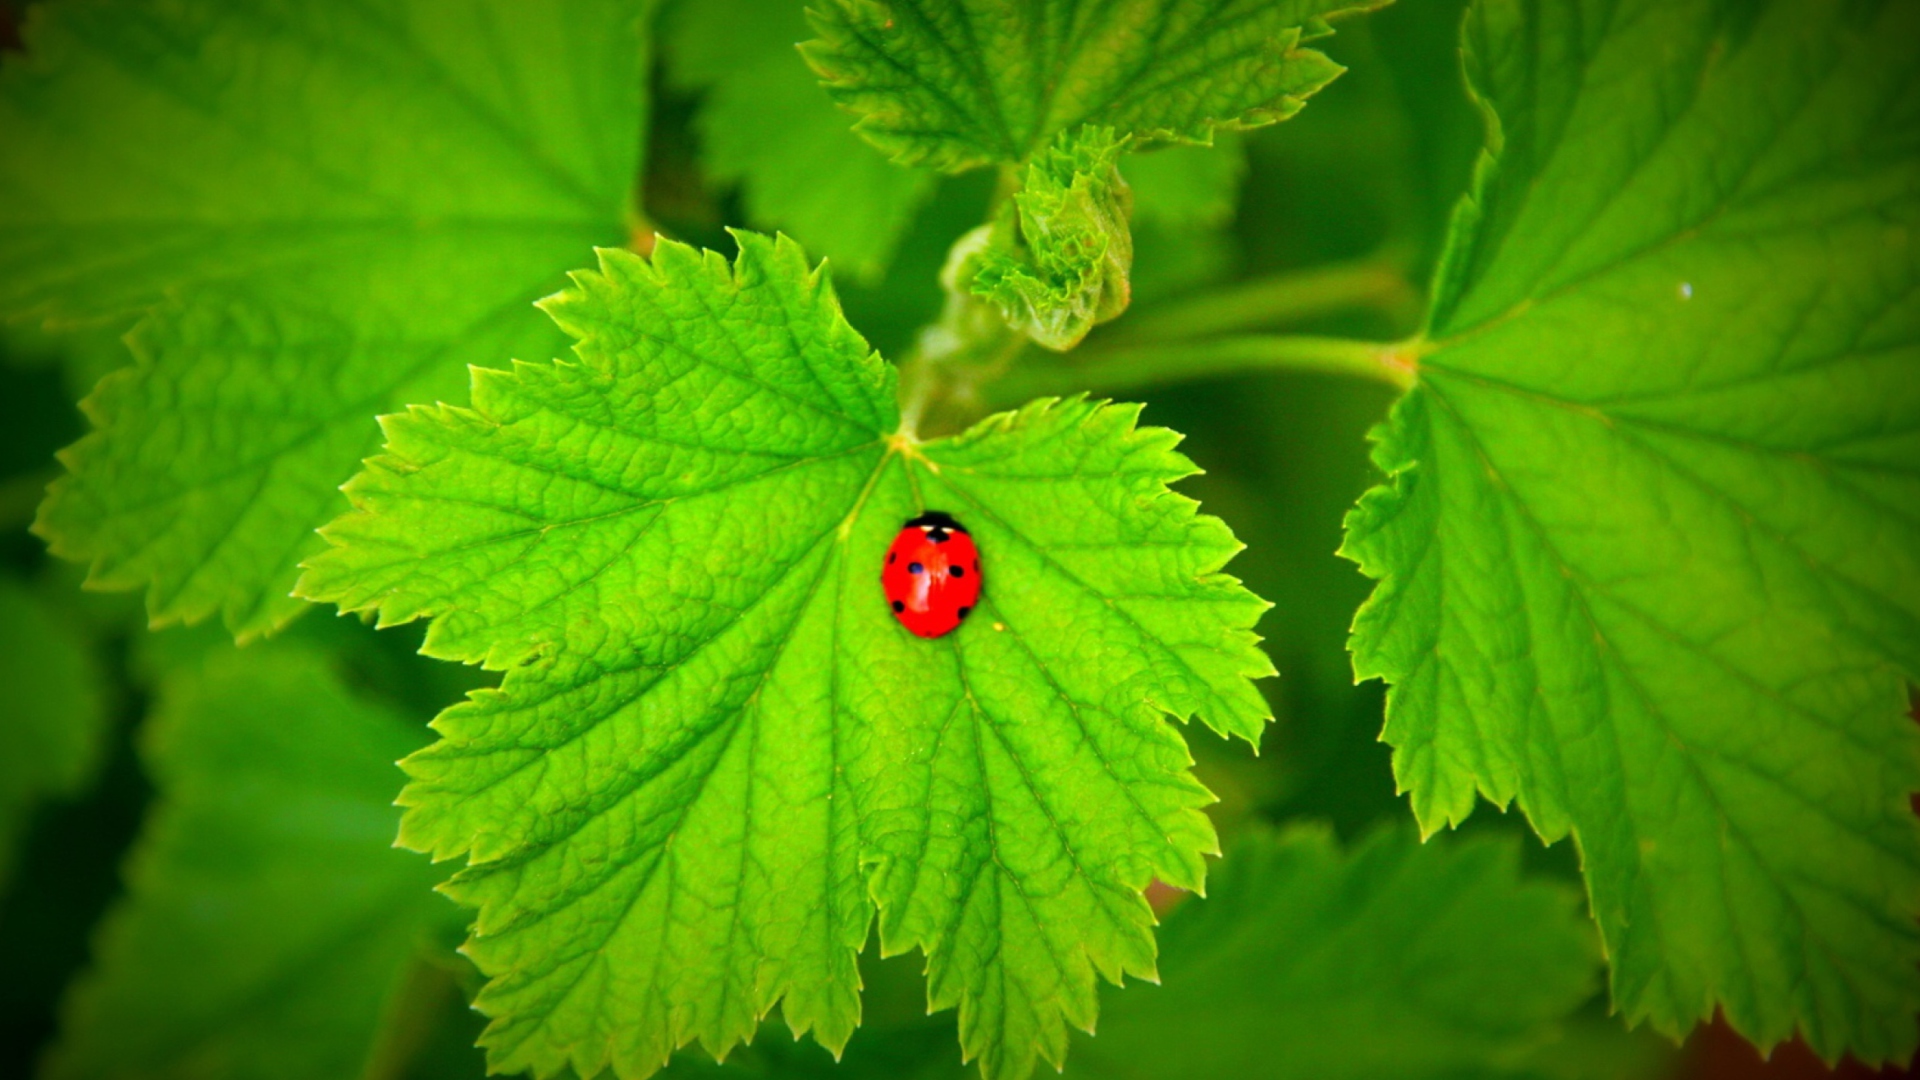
(932, 575)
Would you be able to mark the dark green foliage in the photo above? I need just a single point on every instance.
(363, 306)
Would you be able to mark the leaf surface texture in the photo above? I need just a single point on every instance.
(1649, 559)
(955, 84)
(715, 755)
(337, 208)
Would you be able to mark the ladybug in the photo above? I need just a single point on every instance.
(932, 575)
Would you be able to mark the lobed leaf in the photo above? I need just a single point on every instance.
(337, 208)
(715, 755)
(955, 84)
(1648, 560)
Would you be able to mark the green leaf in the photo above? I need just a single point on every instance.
(219, 452)
(715, 754)
(1067, 263)
(344, 208)
(1395, 959)
(1649, 559)
(55, 716)
(210, 140)
(955, 84)
(268, 920)
(766, 124)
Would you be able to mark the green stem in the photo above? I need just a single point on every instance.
(943, 381)
(1117, 368)
(969, 345)
(1276, 301)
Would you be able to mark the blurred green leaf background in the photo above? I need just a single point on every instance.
(1362, 180)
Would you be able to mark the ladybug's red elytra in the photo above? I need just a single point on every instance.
(932, 575)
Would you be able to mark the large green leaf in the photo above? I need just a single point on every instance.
(150, 147)
(268, 922)
(1650, 557)
(715, 754)
(955, 84)
(345, 205)
(52, 725)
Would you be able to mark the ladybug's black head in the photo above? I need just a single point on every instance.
(936, 519)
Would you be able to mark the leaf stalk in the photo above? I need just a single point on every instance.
(1113, 369)
(1377, 282)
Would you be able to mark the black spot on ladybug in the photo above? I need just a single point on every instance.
(958, 571)
(964, 611)
(898, 607)
(892, 556)
(915, 568)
